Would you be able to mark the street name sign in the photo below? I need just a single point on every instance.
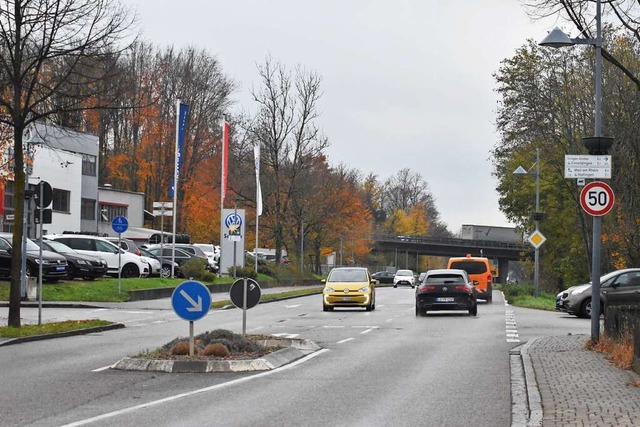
(191, 300)
(597, 198)
(587, 166)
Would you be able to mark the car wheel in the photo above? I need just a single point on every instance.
(73, 273)
(474, 311)
(395, 286)
(326, 308)
(165, 271)
(130, 270)
(89, 278)
(489, 298)
(585, 309)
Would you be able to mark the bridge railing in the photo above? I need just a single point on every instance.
(451, 241)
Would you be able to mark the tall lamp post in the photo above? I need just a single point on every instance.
(596, 145)
(537, 216)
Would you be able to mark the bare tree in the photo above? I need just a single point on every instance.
(48, 50)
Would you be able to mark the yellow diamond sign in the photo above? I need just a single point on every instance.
(536, 239)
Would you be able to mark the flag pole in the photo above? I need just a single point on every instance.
(175, 189)
(222, 189)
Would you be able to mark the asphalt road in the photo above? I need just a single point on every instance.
(385, 367)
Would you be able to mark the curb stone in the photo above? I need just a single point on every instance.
(526, 401)
(297, 348)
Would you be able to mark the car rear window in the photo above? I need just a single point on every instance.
(441, 279)
(471, 267)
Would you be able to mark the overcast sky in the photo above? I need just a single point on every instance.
(407, 83)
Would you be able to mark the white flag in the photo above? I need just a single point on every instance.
(256, 153)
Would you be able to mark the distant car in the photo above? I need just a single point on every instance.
(404, 277)
(576, 300)
(623, 289)
(181, 257)
(212, 252)
(349, 287)
(118, 260)
(192, 250)
(54, 266)
(479, 271)
(129, 245)
(446, 289)
(165, 264)
(383, 276)
(421, 277)
(80, 265)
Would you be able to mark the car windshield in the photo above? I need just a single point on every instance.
(404, 273)
(442, 279)
(146, 253)
(471, 267)
(347, 275)
(205, 247)
(59, 247)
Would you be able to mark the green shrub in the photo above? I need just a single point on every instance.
(249, 272)
(197, 268)
(512, 290)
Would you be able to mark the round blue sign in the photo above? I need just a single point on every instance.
(120, 224)
(191, 300)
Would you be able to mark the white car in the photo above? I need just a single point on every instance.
(404, 277)
(131, 265)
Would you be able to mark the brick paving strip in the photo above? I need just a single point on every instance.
(580, 387)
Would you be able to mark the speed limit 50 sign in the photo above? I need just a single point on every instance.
(596, 198)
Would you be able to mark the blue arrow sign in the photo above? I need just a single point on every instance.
(191, 300)
(119, 224)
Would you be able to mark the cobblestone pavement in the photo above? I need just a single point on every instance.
(580, 387)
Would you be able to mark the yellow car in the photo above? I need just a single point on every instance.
(349, 287)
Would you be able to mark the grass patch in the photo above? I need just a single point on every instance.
(105, 289)
(50, 328)
(273, 296)
(543, 302)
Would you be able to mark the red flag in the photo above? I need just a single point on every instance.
(225, 159)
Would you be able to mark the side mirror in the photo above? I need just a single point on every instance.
(375, 281)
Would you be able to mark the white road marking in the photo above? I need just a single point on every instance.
(292, 306)
(160, 321)
(388, 320)
(285, 335)
(367, 331)
(345, 340)
(194, 392)
(333, 326)
(104, 368)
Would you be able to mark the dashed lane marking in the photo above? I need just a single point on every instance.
(345, 340)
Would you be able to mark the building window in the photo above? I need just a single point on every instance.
(88, 165)
(88, 209)
(61, 200)
(108, 212)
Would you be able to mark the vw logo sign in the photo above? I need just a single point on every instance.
(233, 219)
(346, 291)
(444, 288)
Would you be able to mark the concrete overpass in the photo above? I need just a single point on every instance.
(452, 247)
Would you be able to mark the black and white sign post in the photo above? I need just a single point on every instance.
(245, 293)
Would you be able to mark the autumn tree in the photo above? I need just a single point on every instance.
(49, 49)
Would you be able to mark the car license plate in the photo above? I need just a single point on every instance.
(444, 299)
(346, 298)
(60, 267)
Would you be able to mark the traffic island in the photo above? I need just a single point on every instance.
(291, 350)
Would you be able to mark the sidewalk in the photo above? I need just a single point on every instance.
(576, 386)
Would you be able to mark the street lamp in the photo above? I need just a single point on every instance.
(537, 216)
(596, 145)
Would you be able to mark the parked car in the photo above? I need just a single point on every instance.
(349, 287)
(165, 264)
(622, 289)
(80, 265)
(54, 266)
(479, 271)
(576, 300)
(126, 244)
(192, 250)
(211, 251)
(446, 289)
(181, 256)
(383, 276)
(404, 277)
(130, 265)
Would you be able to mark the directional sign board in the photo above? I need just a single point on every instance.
(191, 300)
(587, 166)
(236, 293)
(119, 224)
(596, 198)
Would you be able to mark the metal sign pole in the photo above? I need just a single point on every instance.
(244, 306)
(119, 264)
(40, 256)
(191, 339)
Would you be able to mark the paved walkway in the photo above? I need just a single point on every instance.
(576, 386)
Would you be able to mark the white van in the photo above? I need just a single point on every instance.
(131, 265)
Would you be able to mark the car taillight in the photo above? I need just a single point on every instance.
(465, 288)
(489, 278)
(139, 253)
(425, 288)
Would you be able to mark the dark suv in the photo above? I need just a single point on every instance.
(54, 266)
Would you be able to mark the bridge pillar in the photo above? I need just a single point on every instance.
(503, 270)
